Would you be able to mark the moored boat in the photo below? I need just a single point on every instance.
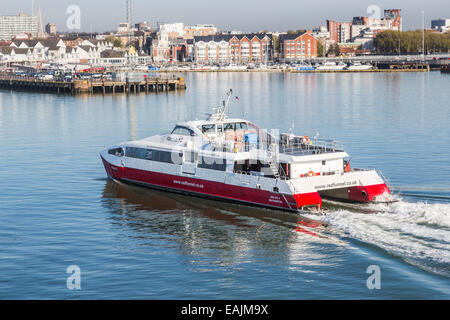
(331, 66)
(356, 66)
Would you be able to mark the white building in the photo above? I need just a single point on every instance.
(320, 32)
(10, 26)
(172, 30)
(15, 55)
(124, 28)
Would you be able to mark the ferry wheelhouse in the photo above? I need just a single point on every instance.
(235, 160)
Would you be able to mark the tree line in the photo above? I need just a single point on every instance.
(410, 42)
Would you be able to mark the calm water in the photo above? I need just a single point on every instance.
(58, 209)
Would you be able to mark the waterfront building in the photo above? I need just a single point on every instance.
(339, 31)
(10, 26)
(199, 30)
(442, 25)
(15, 55)
(171, 30)
(112, 58)
(42, 49)
(160, 48)
(116, 58)
(56, 50)
(363, 29)
(394, 16)
(297, 47)
(242, 48)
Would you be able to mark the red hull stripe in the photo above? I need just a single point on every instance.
(213, 189)
(367, 193)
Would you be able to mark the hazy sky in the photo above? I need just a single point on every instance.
(245, 15)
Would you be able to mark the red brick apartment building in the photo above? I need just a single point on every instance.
(296, 47)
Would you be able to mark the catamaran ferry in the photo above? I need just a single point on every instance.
(235, 160)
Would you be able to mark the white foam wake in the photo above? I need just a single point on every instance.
(417, 232)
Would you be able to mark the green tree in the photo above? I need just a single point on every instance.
(334, 50)
(320, 49)
(118, 43)
(410, 42)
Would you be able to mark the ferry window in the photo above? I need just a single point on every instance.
(154, 155)
(138, 153)
(212, 163)
(189, 156)
(209, 128)
(162, 156)
(229, 127)
(241, 125)
(183, 131)
(148, 155)
(219, 128)
(118, 152)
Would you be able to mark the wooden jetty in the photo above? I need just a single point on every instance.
(76, 86)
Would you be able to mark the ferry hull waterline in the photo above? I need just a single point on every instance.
(234, 160)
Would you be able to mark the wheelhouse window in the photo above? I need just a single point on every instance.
(209, 128)
(241, 126)
(118, 152)
(183, 131)
(229, 127)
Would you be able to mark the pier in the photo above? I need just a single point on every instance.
(91, 86)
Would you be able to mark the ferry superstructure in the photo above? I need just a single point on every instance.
(233, 159)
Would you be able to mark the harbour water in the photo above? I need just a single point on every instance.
(57, 209)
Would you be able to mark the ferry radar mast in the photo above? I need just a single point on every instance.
(220, 112)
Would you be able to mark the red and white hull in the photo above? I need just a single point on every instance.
(286, 200)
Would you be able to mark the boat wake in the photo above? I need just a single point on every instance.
(416, 232)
